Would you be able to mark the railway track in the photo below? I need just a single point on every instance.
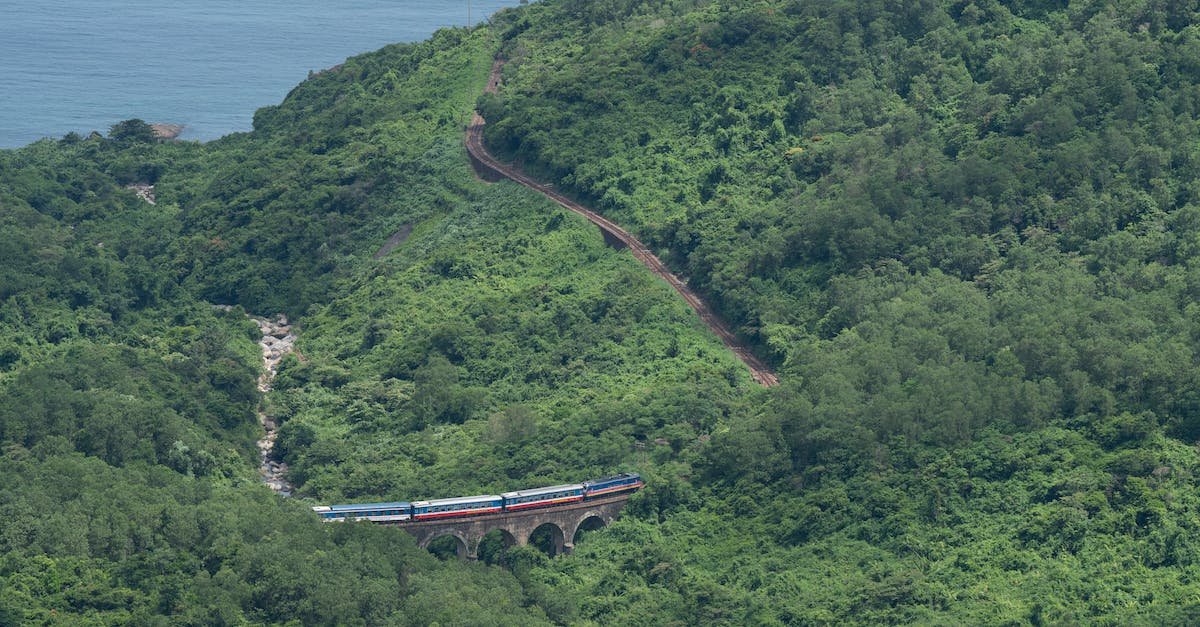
(474, 141)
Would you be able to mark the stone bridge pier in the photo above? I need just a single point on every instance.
(563, 522)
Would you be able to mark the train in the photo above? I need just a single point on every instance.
(465, 506)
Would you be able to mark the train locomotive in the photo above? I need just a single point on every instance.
(464, 506)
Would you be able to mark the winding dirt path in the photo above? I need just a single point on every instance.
(474, 140)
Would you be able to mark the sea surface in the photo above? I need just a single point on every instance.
(84, 65)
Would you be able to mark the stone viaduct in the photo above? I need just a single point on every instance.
(563, 522)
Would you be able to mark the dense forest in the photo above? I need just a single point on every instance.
(967, 235)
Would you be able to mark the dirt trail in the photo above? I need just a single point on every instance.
(474, 141)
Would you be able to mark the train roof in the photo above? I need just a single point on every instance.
(461, 500)
(545, 490)
(362, 507)
(624, 475)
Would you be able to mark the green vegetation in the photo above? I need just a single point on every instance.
(127, 485)
(964, 233)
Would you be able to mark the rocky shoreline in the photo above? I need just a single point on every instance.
(278, 339)
(167, 132)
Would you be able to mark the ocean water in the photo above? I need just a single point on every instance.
(84, 65)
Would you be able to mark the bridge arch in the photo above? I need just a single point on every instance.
(493, 542)
(462, 542)
(553, 542)
(590, 521)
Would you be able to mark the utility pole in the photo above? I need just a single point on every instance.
(468, 13)
(641, 446)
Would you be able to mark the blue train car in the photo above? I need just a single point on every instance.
(543, 497)
(461, 506)
(374, 512)
(624, 482)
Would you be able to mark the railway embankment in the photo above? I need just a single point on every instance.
(491, 168)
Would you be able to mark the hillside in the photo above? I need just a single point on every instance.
(963, 234)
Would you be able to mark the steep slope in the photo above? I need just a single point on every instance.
(474, 141)
(965, 232)
(801, 162)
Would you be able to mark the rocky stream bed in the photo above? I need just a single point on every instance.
(278, 339)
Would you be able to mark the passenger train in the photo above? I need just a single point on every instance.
(462, 506)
